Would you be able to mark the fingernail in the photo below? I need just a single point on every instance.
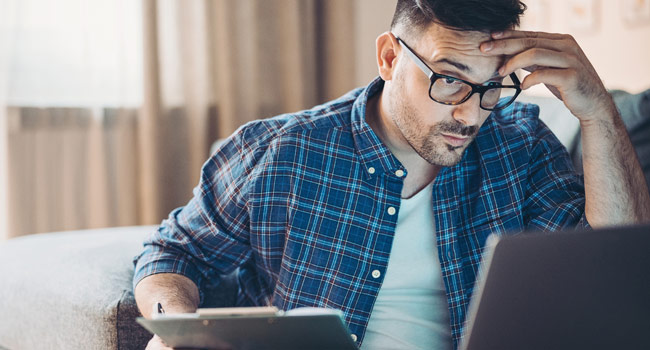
(488, 46)
(502, 70)
(497, 34)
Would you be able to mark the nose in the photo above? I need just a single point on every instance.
(469, 111)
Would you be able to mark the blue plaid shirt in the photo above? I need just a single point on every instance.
(306, 204)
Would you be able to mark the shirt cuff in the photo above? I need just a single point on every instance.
(155, 261)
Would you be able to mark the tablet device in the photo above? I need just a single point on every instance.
(253, 328)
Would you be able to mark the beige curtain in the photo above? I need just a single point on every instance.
(71, 168)
(209, 66)
(213, 65)
(4, 161)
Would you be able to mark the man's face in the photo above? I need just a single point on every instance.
(440, 133)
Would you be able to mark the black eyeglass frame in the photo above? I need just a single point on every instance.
(481, 89)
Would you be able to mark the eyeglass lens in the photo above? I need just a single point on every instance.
(452, 91)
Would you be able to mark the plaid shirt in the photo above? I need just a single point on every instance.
(306, 204)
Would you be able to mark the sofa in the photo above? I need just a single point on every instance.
(72, 290)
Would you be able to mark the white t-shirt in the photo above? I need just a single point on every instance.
(411, 308)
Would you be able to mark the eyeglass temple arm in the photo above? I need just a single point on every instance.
(428, 70)
(514, 78)
(416, 59)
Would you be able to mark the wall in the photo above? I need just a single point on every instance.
(373, 17)
(619, 50)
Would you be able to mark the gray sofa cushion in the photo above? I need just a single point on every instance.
(72, 290)
(67, 290)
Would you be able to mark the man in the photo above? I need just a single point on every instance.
(379, 203)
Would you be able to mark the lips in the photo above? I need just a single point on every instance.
(455, 140)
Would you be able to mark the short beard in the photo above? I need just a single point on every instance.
(429, 145)
(441, 153)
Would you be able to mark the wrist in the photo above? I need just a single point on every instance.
(604, 112)
(606, 117)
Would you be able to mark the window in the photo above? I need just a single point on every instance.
(75, 53)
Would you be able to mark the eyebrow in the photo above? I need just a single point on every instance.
(463, 67)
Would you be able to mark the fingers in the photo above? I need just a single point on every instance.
(527, 34)
(549, 76)
(536, 57)
(157, 344)
(557, 61)
(512, 46)
(511, 42)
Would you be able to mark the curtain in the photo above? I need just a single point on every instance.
(206, 67)
(211, 66)
(4, 162)
(68, 115)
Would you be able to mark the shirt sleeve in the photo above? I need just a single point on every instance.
(209, 236)
(555, 193)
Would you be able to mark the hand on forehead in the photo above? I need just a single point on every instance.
(558, 62)
(527, 49)
(462, 47)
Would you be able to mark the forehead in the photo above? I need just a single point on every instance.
(438, 42)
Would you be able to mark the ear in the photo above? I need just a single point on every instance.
(387, 49)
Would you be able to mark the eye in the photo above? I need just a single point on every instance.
(450, 81)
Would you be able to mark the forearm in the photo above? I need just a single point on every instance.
(175, 292)
(615, 187)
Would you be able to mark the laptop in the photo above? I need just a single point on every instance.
(566, 290)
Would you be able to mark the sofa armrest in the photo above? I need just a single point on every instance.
(73, 290)
(64, 290)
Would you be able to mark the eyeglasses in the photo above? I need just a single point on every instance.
(450, 90)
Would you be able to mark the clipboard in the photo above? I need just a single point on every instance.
(253, 328)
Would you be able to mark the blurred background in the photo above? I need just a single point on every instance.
(108, 108)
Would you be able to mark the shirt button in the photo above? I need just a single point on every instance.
(391, 211)
(354, 337)
(371, 170)
(376, 273)
(399, 173)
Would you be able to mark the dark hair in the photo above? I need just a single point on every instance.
(466, 15)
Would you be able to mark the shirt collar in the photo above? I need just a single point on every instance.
(375, 157)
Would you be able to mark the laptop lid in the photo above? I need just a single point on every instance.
(566, 290)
